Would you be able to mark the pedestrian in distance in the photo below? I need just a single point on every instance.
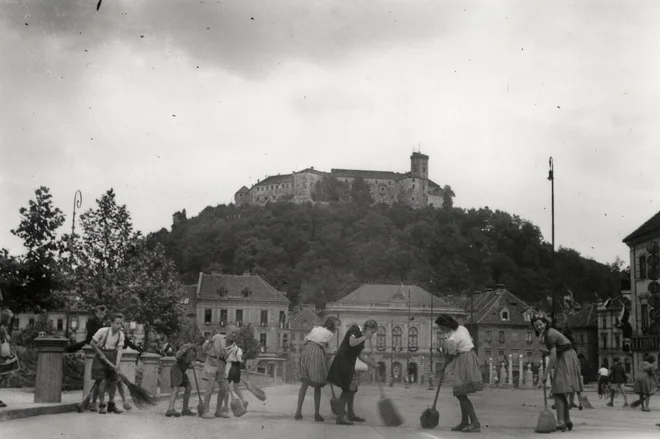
(617, 379)
(185, 358)
(342, 370)
(314, 365)
(460, 352)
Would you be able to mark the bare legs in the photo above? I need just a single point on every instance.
(301, 399)
(469, 420)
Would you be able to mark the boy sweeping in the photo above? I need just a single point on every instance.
(179, 378)
(234, 356)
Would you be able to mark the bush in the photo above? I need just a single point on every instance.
(31, 331)
(74, 370)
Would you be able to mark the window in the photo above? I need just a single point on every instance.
(642, 267)
(412, 338)
(627, 365)
(285, 341)
(31, 321)
(581, 338)
(396, 337)
(604, 323)
(60, 324)
(488, 337)
(223, 315)
(264, 317)
(207, 315)
(514, 336)
(606, 362)
(529, 356)
(185, 300)
(645, 317)
(504, 314)
(617, 341)
(529, 337)
(380, 337)
(604, 341)
(528, 317)
(282, 317)
(246, 292)
(440, 338)
(488, 354)
(501, 336)
(263, 338)
(239, 315)
(500, 355)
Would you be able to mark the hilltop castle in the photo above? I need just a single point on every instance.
(412, 188)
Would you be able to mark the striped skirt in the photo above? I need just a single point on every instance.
(567, 374)
(468, 374)
(313, 365)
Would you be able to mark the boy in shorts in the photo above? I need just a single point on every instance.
(234, 356)
(185, 358)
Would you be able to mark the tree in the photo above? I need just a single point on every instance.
(28, 281)
(245, 340)
(361, 192)
(448, 196)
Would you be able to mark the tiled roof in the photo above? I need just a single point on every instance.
(586, 318)
(242, 190)
(354, 173)
(305, 315)
(276, 179)
(487, 307)
(375, 293)
(649, 226)
(230, 287)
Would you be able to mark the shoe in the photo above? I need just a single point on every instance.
(2, 404)
(354, 418)
(609, 404)
(459, 427)
(127, 406)
(318, 418)
(625, 405)
(569, 425)
(208, 416)
(222, 415)
(171, 413)
(188, 412)
(92, 407)
(343, 421)
(298, 416)
(561, 427)
(472, 428)
(112, 408)
(102, 410)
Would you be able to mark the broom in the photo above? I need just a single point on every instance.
(431, 417)
(200, 406)
(257, 392)
(236, 404)
(386, 408)
(335, 403)
(84, 405)
(546, 422)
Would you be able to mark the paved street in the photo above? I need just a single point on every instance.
(503, 414)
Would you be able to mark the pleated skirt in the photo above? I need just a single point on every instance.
(313, 365)
(644, 384)
(468, 374)
(567, 374)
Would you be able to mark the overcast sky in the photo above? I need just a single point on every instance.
(177, 104)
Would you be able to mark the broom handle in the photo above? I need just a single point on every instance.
(545, 395)
(196, 383)
(437, 392)
(380, 384)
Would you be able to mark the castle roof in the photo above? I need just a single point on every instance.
(243, 190)
(230, 287)
(488, 305)
(355, 173)
(650, 226)
(276, 179)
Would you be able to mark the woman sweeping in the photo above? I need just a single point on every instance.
(564, 361)
(314, 366)
(645, 381)
(460, 350)
(342, 370)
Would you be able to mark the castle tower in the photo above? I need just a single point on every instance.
(419, 165)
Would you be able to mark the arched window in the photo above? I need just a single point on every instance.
(412, 338)
(380, 337)
(396, 337)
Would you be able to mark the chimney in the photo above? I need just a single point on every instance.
(499, 286)
(246, 273)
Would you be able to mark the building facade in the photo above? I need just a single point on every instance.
(228, 300)
(611, 342)
(413, 188)
(500, 324)
(407, 336)
(644, 245)
(584, 326)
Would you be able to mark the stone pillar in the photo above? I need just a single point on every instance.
(521, 371)
(166, 364)
(128, 363)
(510, 370)
(529, 377)
(150, 373)
(503, 374)
(50, 368)
(90, 353)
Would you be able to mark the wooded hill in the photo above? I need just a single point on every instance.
(319, 253)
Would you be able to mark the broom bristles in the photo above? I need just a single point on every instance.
(237, 407)
(429, 418)
(141, 398)
(388, 413)
(546, 422)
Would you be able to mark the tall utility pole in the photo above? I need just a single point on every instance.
(472, 318)
(551, 177)
(77, 202)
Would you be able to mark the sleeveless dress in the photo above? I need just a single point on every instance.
(567, 368)
(342, 370)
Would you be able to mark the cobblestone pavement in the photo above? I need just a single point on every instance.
(503, 414)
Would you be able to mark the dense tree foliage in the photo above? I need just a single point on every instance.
(319, 253)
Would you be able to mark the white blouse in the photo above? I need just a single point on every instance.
(320, 335)
(459, 341)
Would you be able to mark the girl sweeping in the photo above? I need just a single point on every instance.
(460, 351)
(645, 382)
(313, 365)
(342, 370)
(564, 361)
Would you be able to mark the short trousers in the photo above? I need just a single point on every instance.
(178, 377)
(234, 373)
(213, 373)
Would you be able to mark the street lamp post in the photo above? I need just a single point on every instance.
(77, 202)
(551, 177)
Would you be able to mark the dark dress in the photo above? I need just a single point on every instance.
(342, 369)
